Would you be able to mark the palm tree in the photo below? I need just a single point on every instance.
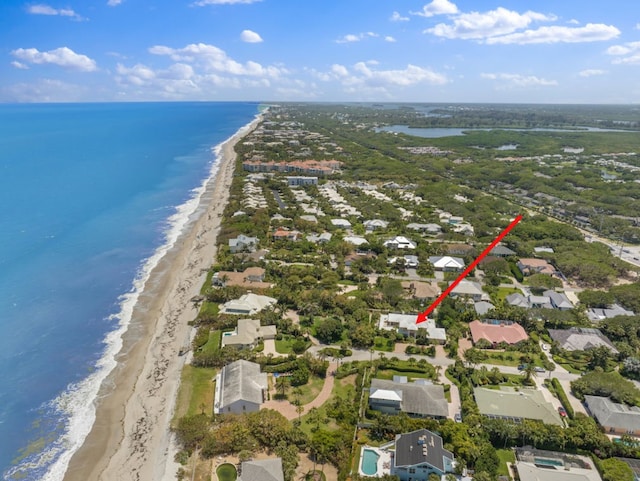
(282, 383)
(528, 373)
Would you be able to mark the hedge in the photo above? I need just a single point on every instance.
(564, 400)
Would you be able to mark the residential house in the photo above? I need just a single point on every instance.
(284, 234)
(422, 291)
(559, 300)
(539, 302)
(447, 263)
(240, 388)
(497, 332)
(598, 314)
(459, 249)
(537, 465)
(418, 454)
(507, 403)
(432, 229)
(243, 243)
(502, 251)
(535, 266)
(251, 277)
(356, 240)
(406, 325)
(309, 218)
(247, 305)
(409, 261)
(375, 224)
(417, 399)
(341, 223)
(469, 289)
(261, 470)
(516, 299)
(248, 333)
(316, 167)
(296, 180)
(400, 242)
(581, 339)
(615, 418)
(320, 239)
(482, 307)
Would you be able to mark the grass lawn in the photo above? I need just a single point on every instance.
(503, 292)
(381, 343)
(310, 390)
(209, 309)
(284, 345)
(227, 472)
(506, 456)
(341, 387)
(213, 344)
(196, 391)
(389, 373)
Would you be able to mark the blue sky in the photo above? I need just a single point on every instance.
(547, 51)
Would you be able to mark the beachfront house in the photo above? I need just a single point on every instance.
(243, 243)
(247, 334)
(247, 305)
(240, 388)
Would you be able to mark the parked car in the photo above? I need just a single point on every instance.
(562, 412)
(457, 417)
(522, 367)
(538, 369)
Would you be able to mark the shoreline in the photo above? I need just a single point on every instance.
(130, 438)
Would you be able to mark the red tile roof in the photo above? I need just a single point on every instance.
(501, 331)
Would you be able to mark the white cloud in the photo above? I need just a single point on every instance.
(202, 3)
(19, 65)
(114, 3)
(637, 26)
(476, 25)
(42, 9)
(437, 7)
(389, 38)
(557, 34)
(518, 80)
(211, 58)
(63, 56)
(396, 17)
(573, 21)
(351, 37)
(592, 72)
(250, 36)
(365, 75)
(339, 70)
(626, 54)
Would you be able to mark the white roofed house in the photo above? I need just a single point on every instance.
(406, 325)
(247, 333)
(469, 289)
(400, 242)
(247, 305)
(240, 388)
(243, 243)
(261, 470)
(447, 263)
(375, 224)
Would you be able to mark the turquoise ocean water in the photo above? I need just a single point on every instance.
(90, 194)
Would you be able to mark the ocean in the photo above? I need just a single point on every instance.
(90, 196)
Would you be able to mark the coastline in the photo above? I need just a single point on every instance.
(130, 438)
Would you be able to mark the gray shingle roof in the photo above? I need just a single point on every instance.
(580, 339)
(426, 400)
(613, 415)
(242, 380)
(262, 470)
(420, 447)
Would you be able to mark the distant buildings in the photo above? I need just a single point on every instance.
(294, 181)
(315, 167)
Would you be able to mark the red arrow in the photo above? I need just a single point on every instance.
(424, 315)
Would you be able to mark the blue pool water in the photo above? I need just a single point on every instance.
(369, 462)
(548, 462)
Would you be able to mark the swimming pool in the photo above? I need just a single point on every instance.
(369, 462)
(230, 333)
(548, 462)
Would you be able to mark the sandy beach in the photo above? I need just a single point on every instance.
(130, 439)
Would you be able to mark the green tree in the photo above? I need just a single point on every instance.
(615, 470)
(329, 330)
